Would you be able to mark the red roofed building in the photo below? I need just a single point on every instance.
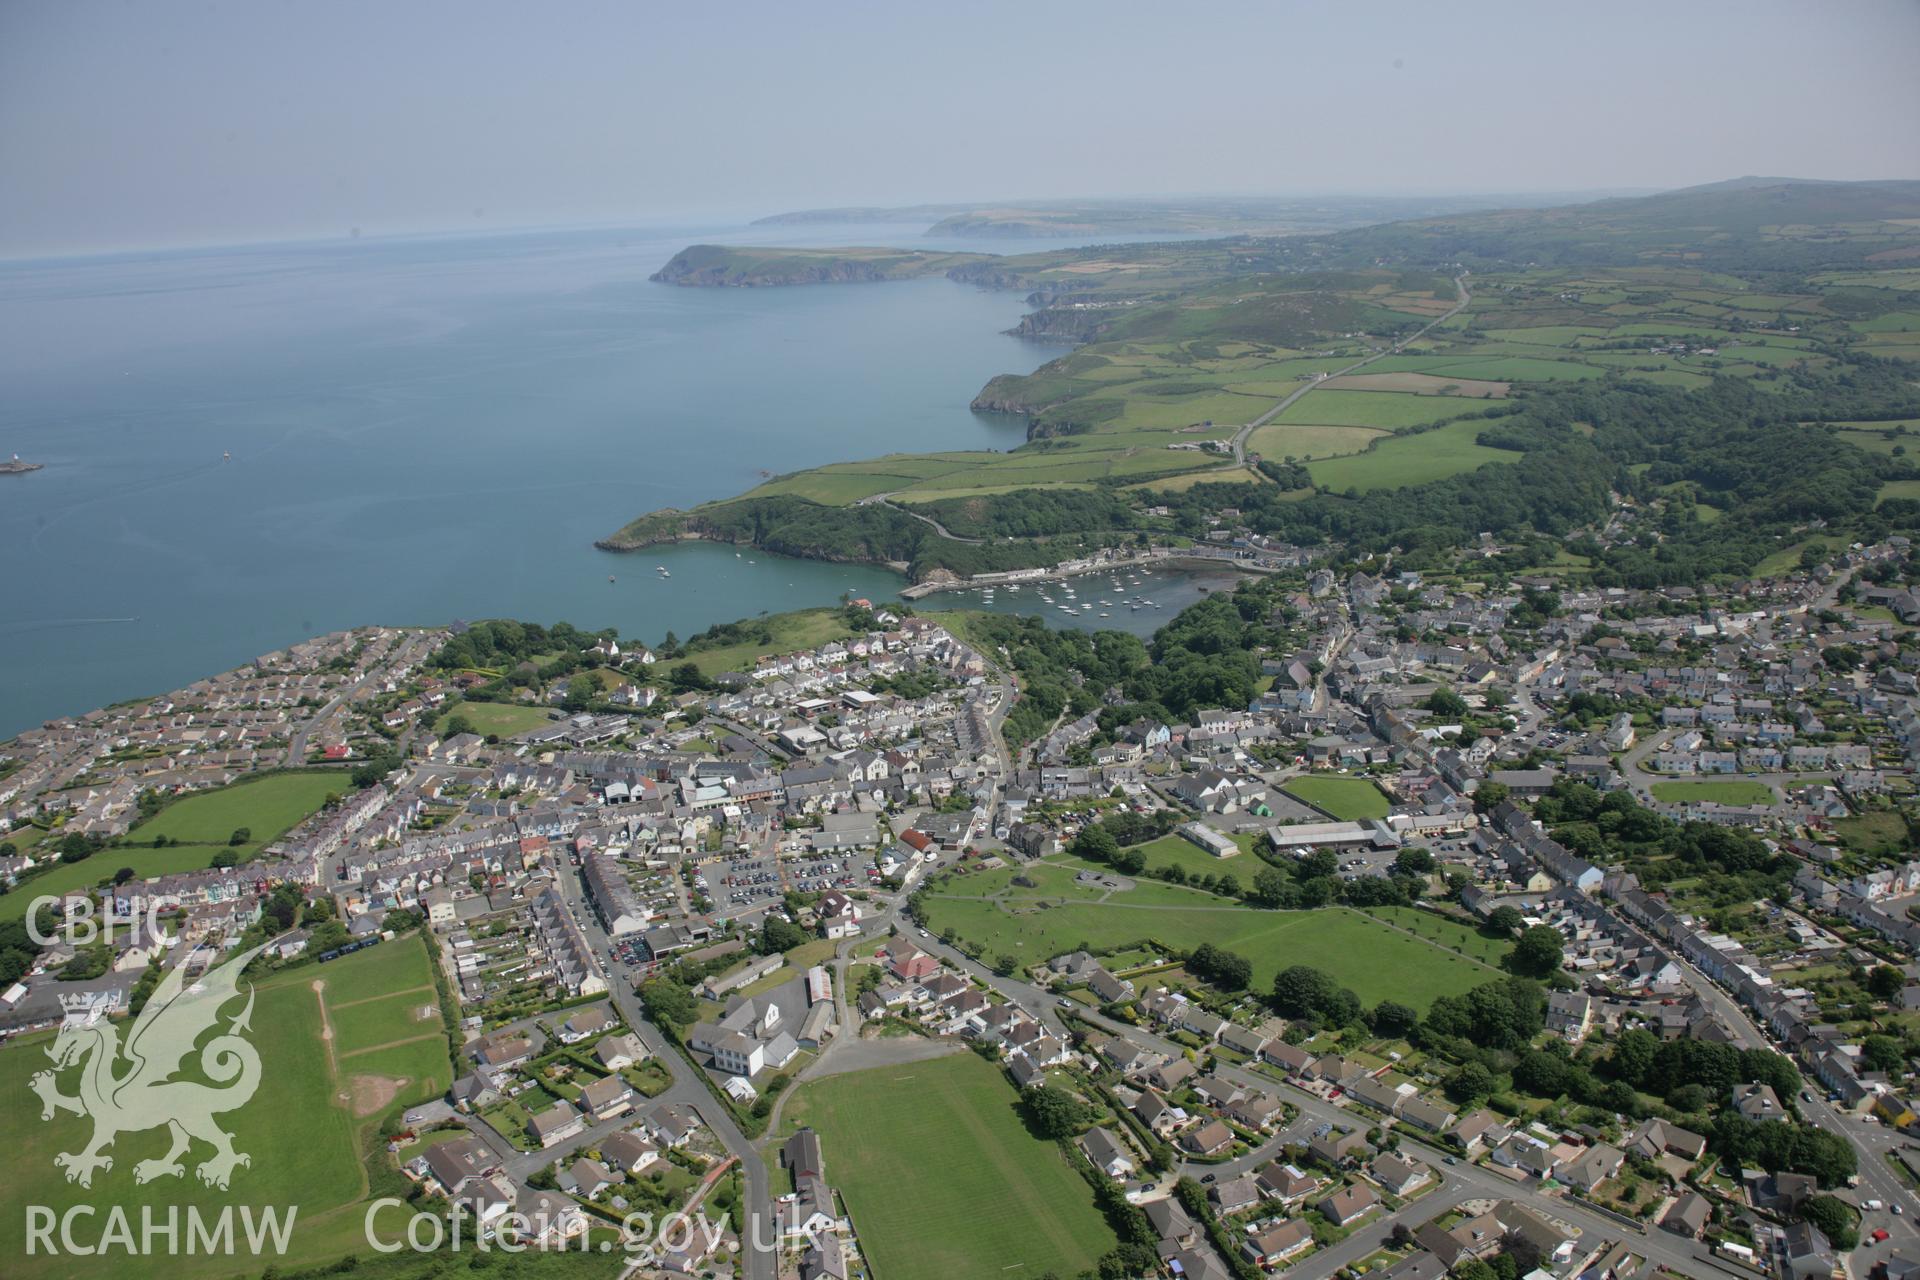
(919, 841)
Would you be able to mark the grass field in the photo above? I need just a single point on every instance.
(942, 1180)
(1378, 962)
(496, 719)
(102, 866)
(305, 1128)
(266, 806)
(1279, 440)
(1178, 851)
(805, 629)
(1451, 934)
(1732, 791)
(1389, 409)
(1348, 799)
(200, 826)
(1397, 461)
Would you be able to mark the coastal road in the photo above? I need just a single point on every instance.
(1241, 436)
(886, 500)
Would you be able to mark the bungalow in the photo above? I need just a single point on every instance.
(556, 1124)
(1209, 1139)
(672, 1126)
(1335, 1148)
(1398, 1174)
(1159, 1115)
(606, 1098)
(1349, 1204)
(628, 1152)
(1107, 1154)
(1239, 1039)
(1483, 1127)
(586, 1178)
(1170, 1075)
(616, 1053)
(586, 1024)
(1656, 1138)
(1427, 1113)
(551, 1218)
(1688, 1216)
(1291, 1059)
(1276, 1244)
(1285, 1183)
(454, 1164)
(1109, 989)
(1235, 1195)
(1260, 1111)
(1593, 1166)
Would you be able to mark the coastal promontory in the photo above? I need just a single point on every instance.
(726, 266)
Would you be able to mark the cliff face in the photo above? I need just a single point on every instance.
(1005, 393)
(1061, 324)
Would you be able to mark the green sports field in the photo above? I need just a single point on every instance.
(1348, 799)
(1733, 791)
(942, 1180)
(305, 1128)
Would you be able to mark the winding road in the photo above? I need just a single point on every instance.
(1241, 436)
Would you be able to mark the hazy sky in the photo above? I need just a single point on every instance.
(153, 122)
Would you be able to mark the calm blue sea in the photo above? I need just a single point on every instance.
(436, 428)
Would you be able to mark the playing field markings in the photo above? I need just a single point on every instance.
(387, 995)
(392, 1044)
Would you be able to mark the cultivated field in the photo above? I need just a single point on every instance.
(306, 1128)
(942, 1180)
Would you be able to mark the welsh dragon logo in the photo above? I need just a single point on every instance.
(146, 1096)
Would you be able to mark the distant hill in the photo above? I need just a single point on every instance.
(1170, 215)
(1756, 224)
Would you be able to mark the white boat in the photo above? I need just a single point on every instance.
(1106, 615)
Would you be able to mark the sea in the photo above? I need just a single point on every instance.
(247, 446)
